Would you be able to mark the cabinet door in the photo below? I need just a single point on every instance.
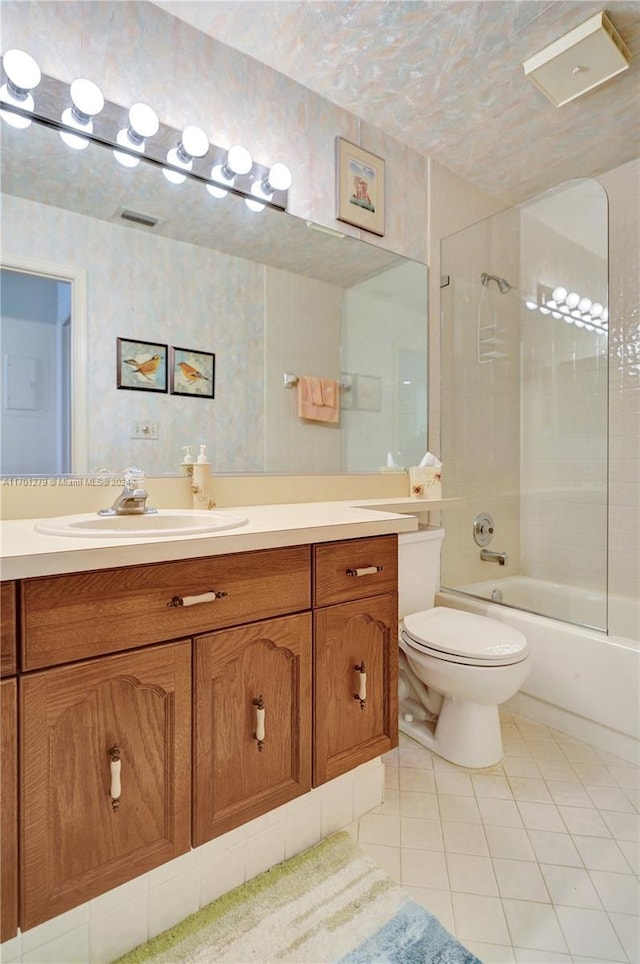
(8, 811)
(247, 680)
(349, 730)
(77, 840)
(8, 646)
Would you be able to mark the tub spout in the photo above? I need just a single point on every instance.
(488, 555)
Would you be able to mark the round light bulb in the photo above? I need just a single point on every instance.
(143, 120)
(217, 192)
(122, 137)
(556, 314)
(239, 160)
(254, 205)
(551, 303)
(72, 140)
(15, 120)
(544, 311)
(219, 175)
(194, 141)
(531, 305)
(21, 69)
(572, 299)
(596, 309)
(578, 323)
(559, 294)
(605, 314)
(174, 177)
(280, 177)
(564, 309)
(87, 97)
(584, 304)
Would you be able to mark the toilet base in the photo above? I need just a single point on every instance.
(467, 734)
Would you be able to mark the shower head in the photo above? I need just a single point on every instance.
(502, 283)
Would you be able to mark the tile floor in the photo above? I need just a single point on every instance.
(533, 860)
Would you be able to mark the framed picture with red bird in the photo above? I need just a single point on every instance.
(142, 365)
(192, 372)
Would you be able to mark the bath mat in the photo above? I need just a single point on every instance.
(329, 904)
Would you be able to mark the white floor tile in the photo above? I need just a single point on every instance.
(623, 826)
(491, 953)
(526, 955)
(491, 786)
(628, 930)
(541, 816)
(584, 821)
(415, 756)
(520, 879)
(534, 925)
(520, 766)
(619, 893)
(453, 783)
(590, 933)
(569, 793)
(610, 798)
(380, 828)
(424, 868)
(595, 774)
(479, 918)
(631, 851)
(534, 791)
(601, 853)
(499, 813)
(465, 838)
(424, 805)
(628, 776)
(472, 875)
(570, 886)
(390, 804)
(462, 809)
(411, 778)
(421, 834)
(554, 848)
(437, 902)
(509, 842)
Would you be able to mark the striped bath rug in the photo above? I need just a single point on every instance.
(329, 904)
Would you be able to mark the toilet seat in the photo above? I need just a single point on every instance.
(460, 637)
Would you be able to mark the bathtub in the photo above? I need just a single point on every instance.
(583, 682)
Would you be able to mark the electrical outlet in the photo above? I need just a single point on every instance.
(145, 430)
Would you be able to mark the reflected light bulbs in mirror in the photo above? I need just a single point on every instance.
(143, 123)
(238, 162)
(87, 101)
(193, 143)
(572, 299)
(23, 74)
(254, 205)
(559, 294)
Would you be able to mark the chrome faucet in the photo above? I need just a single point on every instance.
(132, 500)
(488, 555)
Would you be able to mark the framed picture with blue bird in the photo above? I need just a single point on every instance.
(142, 365)
(192, 372)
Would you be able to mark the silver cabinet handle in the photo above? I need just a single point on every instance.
(364, 571)
(362, 685)
(115, 790)
(260, 730)
(177, 601)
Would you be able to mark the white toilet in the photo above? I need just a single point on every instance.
(455, 667)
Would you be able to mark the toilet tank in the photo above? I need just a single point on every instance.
(418, 569)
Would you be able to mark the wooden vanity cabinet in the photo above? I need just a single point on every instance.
(8, 809)
(8, 629)
(80, 724)
(252, 722)
(355, 653)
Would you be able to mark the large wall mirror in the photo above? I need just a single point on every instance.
(117, 253)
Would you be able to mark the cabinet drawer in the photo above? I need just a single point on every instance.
(354, 569)
(8, 629)
(72, 617)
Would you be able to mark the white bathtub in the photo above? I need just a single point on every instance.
(582, 681)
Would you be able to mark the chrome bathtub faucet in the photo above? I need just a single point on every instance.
(488, 555)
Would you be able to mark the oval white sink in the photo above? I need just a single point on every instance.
(165, 522)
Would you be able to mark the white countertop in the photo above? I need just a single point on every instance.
(25, 553)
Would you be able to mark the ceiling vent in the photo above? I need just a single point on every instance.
(584, 58)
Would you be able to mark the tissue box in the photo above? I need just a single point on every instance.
(425, 483)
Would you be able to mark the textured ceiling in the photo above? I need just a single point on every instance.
(446, 78)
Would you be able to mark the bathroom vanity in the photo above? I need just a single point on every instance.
(158, 693)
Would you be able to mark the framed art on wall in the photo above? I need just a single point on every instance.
(360, 187)
(192, 372)
(141, 365)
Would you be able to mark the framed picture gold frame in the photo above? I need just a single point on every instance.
(360, 187)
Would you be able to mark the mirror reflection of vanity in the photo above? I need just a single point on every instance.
(268, 294)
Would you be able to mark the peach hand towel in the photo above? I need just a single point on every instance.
(318, 398)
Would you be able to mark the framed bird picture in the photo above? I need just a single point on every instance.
(192, 372)
(142, 365)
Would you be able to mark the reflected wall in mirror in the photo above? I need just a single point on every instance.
(266, 293)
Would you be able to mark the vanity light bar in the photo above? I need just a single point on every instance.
(572, 308)
(136, 132)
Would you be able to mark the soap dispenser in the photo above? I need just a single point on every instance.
(201, 481)
(187, 461)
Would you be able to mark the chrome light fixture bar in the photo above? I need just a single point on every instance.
(82, 117)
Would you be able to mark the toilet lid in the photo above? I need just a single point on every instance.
(450, 633)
